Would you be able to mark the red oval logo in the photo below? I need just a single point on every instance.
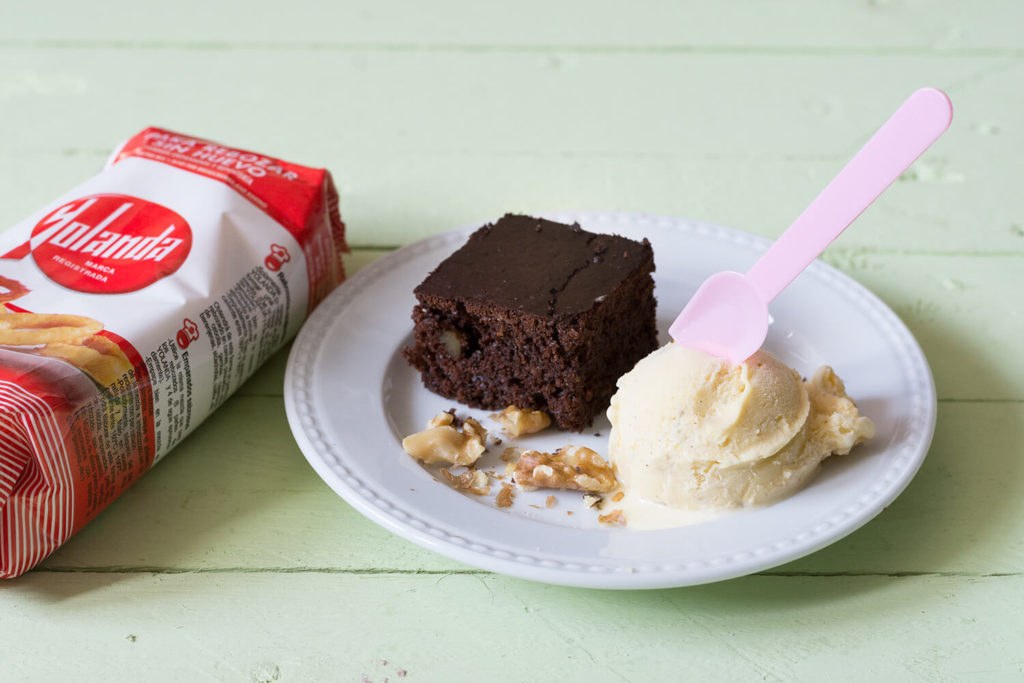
(110, 243)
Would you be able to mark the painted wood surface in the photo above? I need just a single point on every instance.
(232, 561)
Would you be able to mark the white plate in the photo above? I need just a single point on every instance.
(351, 397)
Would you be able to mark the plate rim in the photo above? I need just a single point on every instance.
(297, 390)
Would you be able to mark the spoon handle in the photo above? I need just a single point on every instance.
(908, 133)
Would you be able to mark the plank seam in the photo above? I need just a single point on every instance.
(520, 48)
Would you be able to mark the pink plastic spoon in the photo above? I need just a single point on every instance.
(728, 315)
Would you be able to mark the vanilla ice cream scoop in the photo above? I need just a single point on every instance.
(693, 431)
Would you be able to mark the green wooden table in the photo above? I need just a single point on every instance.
(233, 561)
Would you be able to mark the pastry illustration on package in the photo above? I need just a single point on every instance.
(75, 339)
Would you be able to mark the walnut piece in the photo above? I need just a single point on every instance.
(613, 518)
(518, 421)
(510, 454)
(452, 341)
(570, 467)
(474, 430)
(441, 420)
(474, 481)
(443, 442)
(505, 496)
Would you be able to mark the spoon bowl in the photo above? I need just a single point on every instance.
(729, 305)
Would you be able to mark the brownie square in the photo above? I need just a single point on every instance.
(535, 314)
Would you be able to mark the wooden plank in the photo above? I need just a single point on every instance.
(427, 141)
(451, 24)
(343, 627)
(237, 494)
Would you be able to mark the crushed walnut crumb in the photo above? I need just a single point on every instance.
(505, 496)
(510, 454)
(456, 420)
(592, 500)
(570, 467)
(550, 502)
(473, 481)
(443, 419)
(613, 518)
(618, 496)
(518, 421)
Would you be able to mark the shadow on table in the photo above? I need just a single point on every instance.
(962, 510)
(227, 499)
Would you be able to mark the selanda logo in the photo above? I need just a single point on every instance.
(110, 243)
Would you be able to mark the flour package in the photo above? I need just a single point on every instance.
(133, 306)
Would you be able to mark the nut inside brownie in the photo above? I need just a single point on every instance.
(535, 314)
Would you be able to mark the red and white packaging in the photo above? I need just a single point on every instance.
(133, 306)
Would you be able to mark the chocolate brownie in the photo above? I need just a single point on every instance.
(535, 314)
